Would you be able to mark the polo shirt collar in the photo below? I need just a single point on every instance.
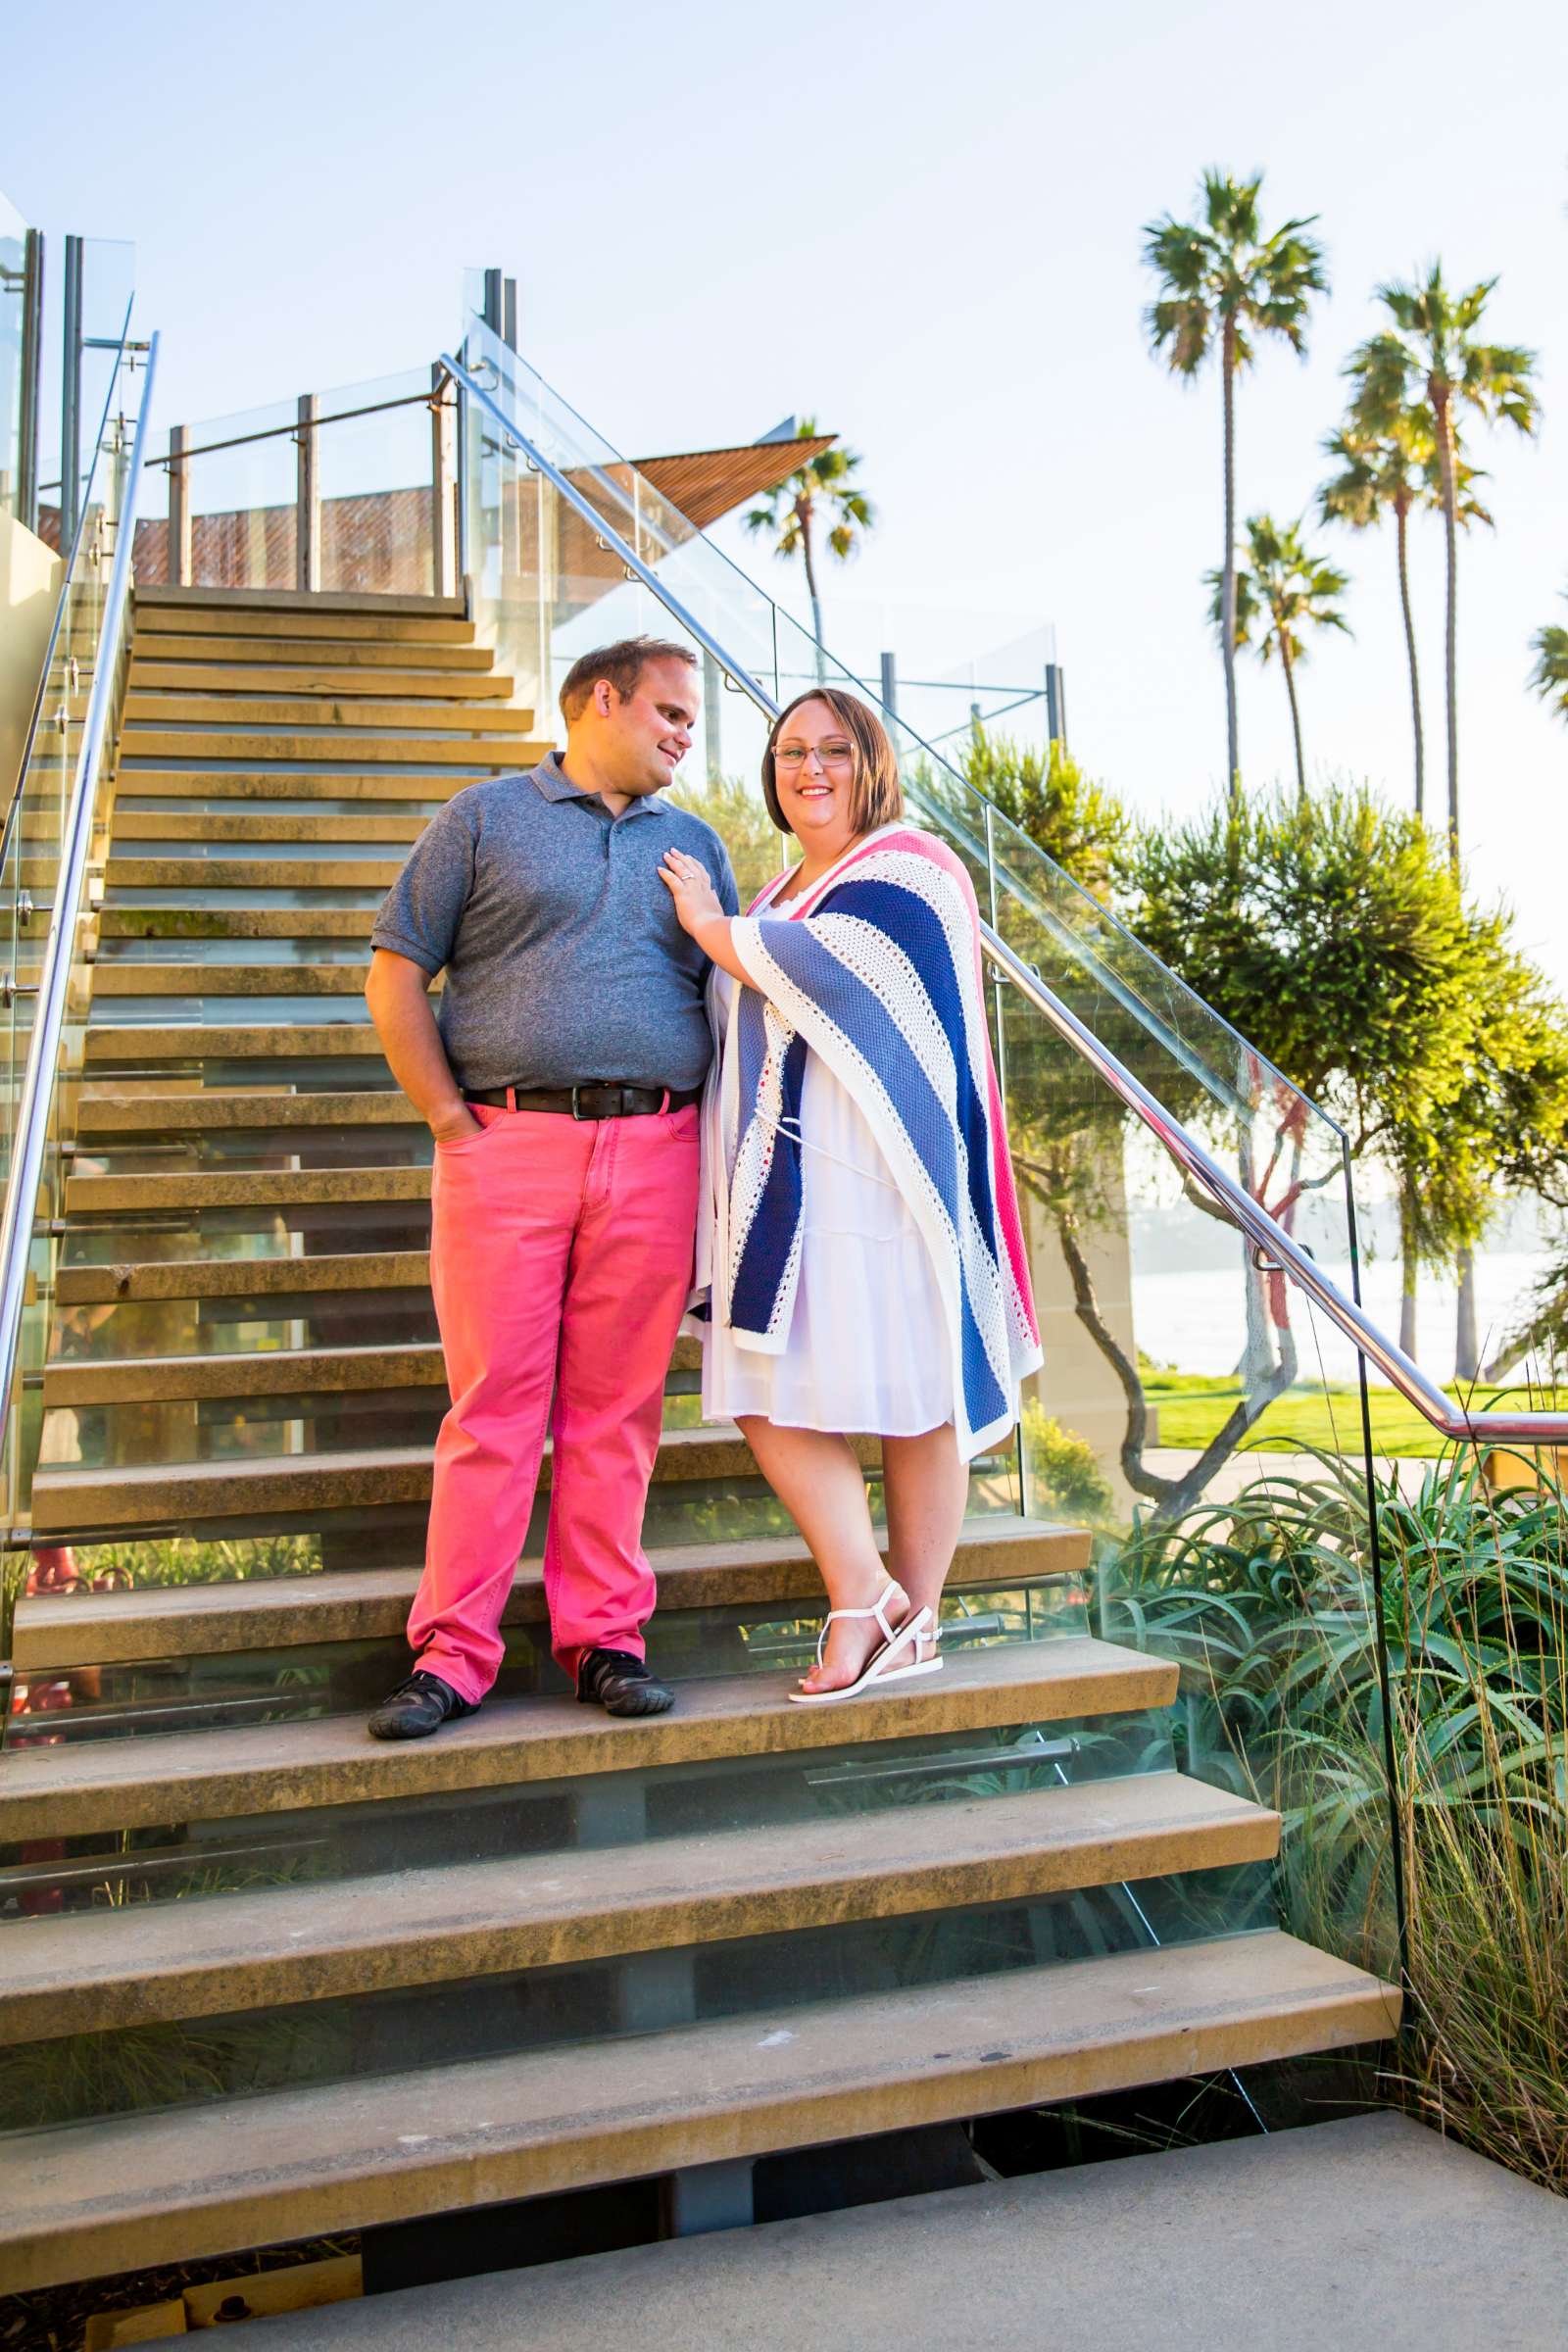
(553, 783)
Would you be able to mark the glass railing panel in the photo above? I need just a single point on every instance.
(378, 517)
(13, 312)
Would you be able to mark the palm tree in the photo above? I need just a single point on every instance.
(1390, 465)
(1221, 277)
(1549, 677)
(819, 491)
(1282, 590)
(1431, 356)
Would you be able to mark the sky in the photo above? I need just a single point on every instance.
(923, 225)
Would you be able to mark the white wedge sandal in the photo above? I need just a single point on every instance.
(880, 1666)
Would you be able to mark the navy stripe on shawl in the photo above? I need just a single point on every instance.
(854, 1007)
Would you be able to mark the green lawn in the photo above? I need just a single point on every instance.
(1192, 1411)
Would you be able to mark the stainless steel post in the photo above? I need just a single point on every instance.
(32, 367)
(70, 399)
(308, 498)
(442, 559)
(178, 559)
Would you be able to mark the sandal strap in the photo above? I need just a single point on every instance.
(876, 1610)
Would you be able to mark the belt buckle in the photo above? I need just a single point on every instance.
(575, 1112)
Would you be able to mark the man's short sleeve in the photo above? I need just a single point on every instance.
(420, 913)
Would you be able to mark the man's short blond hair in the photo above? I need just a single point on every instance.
(623, 663)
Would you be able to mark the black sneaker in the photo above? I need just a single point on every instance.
(418, 1707)
(612, 1679)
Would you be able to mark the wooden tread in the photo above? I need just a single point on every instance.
(92, 1969)
(245, 1188)
(241, 1278)
(206, 608)
(151, 674)
(372, 1604)
(345, 745)
(265, 1042)
(229, 979)
(205, 648)
(75, 1501)
(282, 712)
(332, 1760)
(263, 1372)
(157, 2188)
(264, 824)
(136, 784)
(237, 922)
(228, 1112)
(200, 875)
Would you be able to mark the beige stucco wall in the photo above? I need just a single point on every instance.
(29, 585)
(1077, 1386)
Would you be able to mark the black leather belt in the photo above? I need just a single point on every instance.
(601, 1099)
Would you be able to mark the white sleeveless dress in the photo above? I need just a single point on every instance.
(868, 1348)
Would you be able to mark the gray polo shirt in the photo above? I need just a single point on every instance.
(562, 956)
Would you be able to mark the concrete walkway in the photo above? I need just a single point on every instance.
(1371, 2232)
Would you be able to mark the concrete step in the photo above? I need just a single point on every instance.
(275, 1768)
(236, 922)
(292, 828)
(268, 1041)
(200, 649)
(70, 1504)
(284, 712)
(270, 1372)
(167, 2187)
(199, 607)
(163, 1115)
(344, 746)
(241, 1278)
(244, 1187)
(92, 1970)
(134, 784)
(372, 1604)
(152, 673)
(228, 980)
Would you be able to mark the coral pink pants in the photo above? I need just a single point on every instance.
(560, 1258)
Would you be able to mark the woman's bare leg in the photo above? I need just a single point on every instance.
(818, 1481)
(926, 1486)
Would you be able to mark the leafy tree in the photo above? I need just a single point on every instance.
(738, 814)
(1391, 468)
(822, 494)
(1047, 795)
(1224, 284)
(1549, 677)
(1282, 590)
(1431, 356)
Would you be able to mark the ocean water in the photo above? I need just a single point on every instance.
(1193, 1318)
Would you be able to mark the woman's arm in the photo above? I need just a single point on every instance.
(698, 910)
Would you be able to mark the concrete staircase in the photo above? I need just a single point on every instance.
(263, 1978)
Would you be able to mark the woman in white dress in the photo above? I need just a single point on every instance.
(859, 1213)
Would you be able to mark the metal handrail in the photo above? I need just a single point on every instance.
(294, 427)
(32, 1124)
(1229, 1195)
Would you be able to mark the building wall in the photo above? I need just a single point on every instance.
(29, 589)
(1077, 1386)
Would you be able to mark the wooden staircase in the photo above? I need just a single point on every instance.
(265, 1978)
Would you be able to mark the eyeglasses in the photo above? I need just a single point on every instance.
(826, 755)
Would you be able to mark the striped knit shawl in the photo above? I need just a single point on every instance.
(878, 970)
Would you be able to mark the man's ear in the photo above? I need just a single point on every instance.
(604, 697)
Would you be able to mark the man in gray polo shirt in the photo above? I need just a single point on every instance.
(559, 1082)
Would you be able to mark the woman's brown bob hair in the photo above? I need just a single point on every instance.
(876, 796)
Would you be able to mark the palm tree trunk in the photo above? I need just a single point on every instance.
(1232, 755)
(1295, 718)
(811, 591)
(1402, 516)
(1441, 404)
(1409, 1270)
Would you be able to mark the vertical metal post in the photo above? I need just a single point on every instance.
(1057, 704)
(308, 499)
(508, 312)
(31, 365)
(890, 685)
(712, 729)
(442, 551)
(177, 563)
(999, 1001)
(492, 299)
(70, 399)
(465, 493)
